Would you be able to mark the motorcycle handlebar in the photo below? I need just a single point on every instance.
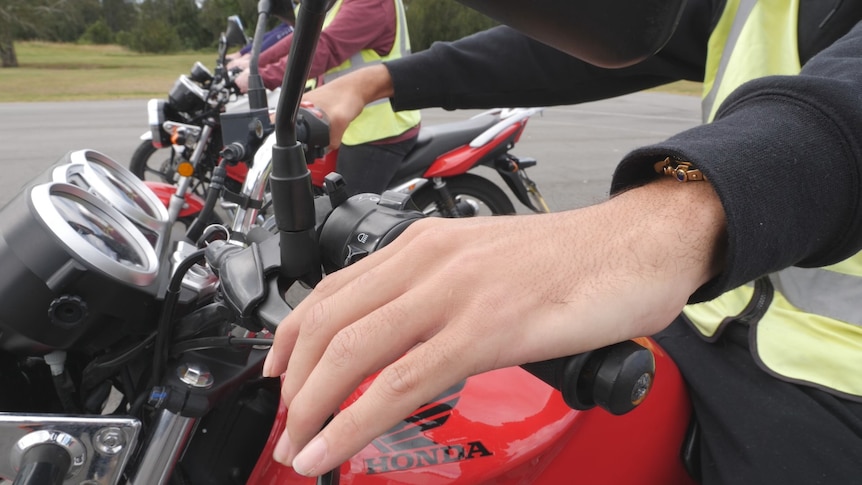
(616, 378)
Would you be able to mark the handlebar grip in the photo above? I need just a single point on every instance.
(43, 464)
(616, 378)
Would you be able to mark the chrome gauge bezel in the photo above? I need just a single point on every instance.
(45, 211)
(153, 215)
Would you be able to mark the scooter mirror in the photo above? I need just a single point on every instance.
(607, 33)
(235, 34)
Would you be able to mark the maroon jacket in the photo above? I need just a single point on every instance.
(358, 25)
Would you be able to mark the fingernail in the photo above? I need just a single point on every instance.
(308, 460)
(281, 453)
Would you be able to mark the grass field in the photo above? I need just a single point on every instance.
(70, 72)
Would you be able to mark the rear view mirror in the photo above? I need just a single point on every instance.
(235, 34)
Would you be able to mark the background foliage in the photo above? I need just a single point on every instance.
(169, 26)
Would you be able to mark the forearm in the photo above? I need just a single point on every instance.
(501, 67)
(598, 275)
(276, 52)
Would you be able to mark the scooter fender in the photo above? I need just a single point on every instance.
(165, 191)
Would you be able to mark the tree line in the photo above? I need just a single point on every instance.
(165, 26)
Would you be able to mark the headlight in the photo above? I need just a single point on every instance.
(186, 96)
(200, 74)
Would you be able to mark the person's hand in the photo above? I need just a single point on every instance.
(344, 98)
(241, 62)
(451, 298)
(241, 81)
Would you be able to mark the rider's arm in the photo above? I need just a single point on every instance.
(598, 275)
(785, 158)
(501, 67)
(358, 25)
(783, 164)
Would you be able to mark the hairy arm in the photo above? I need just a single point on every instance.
(597, 276)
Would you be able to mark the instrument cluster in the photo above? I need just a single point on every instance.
(80, 249)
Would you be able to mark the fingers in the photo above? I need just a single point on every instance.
(323, 309)
(354, 353)
(400, 388)
(314, 315)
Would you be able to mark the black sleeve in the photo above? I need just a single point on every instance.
(784, 156)
(501, 67)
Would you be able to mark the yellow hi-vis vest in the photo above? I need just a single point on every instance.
(805, 323)
(377, 120)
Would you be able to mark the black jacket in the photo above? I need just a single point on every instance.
(784, 153)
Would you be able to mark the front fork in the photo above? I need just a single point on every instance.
(513, 171)
(448, 206)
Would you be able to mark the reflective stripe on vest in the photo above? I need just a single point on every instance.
(739, 51)
(377, 120)
(806, 323)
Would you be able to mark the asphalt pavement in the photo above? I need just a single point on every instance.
(577, 147)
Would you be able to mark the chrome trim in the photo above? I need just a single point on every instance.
(152, 214)
(44, 210)
(198, 278)
(168, 439)
(84, 437)
(254, 186)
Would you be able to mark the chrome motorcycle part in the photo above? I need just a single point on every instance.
(167, 440)
(195, 375)
(182, 133)
(68, 443)
(94, 233)
(99, 447)
(200, 279)
(107, 179)
(255, 185)
(72, 264)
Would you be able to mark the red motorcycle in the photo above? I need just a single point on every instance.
(438, 173)
(507, 427)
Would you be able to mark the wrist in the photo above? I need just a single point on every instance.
(375, 83)
(680, 228)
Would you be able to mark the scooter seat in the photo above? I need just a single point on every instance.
(436, 140)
